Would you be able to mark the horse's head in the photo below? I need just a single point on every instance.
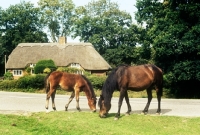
(104, 108)
(92, 104)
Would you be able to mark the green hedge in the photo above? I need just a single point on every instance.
(97, 81)
(42, 64)
(8, 84)
(30, 82)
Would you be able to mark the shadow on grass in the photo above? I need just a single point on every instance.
(152, 111)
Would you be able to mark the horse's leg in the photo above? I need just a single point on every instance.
(121, 97)
(128, 103)
(159, 100)
(47, 102)
(149, 94)
(77, 100)
(47, 98)
(52, 99)
(70, 99)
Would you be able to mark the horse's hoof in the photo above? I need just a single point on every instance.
(93, 111)
(158, 113)
(102, 116)
(144, 113)
(47, 111)
(127, 114)
(79, 110)
(116, 118)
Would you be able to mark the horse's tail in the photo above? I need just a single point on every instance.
(46, 83)
(159, 80)
(160, 91)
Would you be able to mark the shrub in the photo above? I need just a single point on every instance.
(8, 76)
(28, 83)
(97, 81)
(31, 81)
(42, 64)
(28, 70)
(47, 70)
(8, 84)
(69, 70)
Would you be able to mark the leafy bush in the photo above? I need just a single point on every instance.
(8, 76)
(47, 70)
(42, 64)
(28, 70)
(31, 81)
(97, 81)
(8, 84)
(69, 70)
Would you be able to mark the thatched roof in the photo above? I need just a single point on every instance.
(62, 55)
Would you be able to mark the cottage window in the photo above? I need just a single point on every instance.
(17, 72)
(75, 65)
(32, 65)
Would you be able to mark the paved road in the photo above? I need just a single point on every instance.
(24, 103)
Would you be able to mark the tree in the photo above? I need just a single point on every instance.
(111, 31)
(18, 24)
(58, 17)
(102, 24)
(173, 28)
(124, 55)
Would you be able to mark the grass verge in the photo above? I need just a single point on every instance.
(86, 123)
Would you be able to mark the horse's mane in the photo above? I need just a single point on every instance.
(90, 86)
(111, 84)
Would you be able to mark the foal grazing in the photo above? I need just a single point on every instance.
(69, 82)
(135, 78)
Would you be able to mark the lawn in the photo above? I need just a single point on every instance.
(86, 123)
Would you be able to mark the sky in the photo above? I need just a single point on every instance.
(125, 5)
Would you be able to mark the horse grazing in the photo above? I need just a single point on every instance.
(135, 78)
(69, 82)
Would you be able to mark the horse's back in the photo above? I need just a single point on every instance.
(142, 76)
(65, 80)
(147, 70)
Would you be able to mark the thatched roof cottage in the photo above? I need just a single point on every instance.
(82, 55)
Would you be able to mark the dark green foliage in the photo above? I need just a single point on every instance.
(42, 64)
(19, 23)
(8, 76)
(170, 37)
(97, 81)
(31, 81)
(173, 29)
(125, 55)
(8, 84)
(26, 82)
(103, 24)
(70, 70)
(28, 70)
(58, 17)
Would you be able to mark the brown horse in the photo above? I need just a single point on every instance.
(69, 82)
(135, 78)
